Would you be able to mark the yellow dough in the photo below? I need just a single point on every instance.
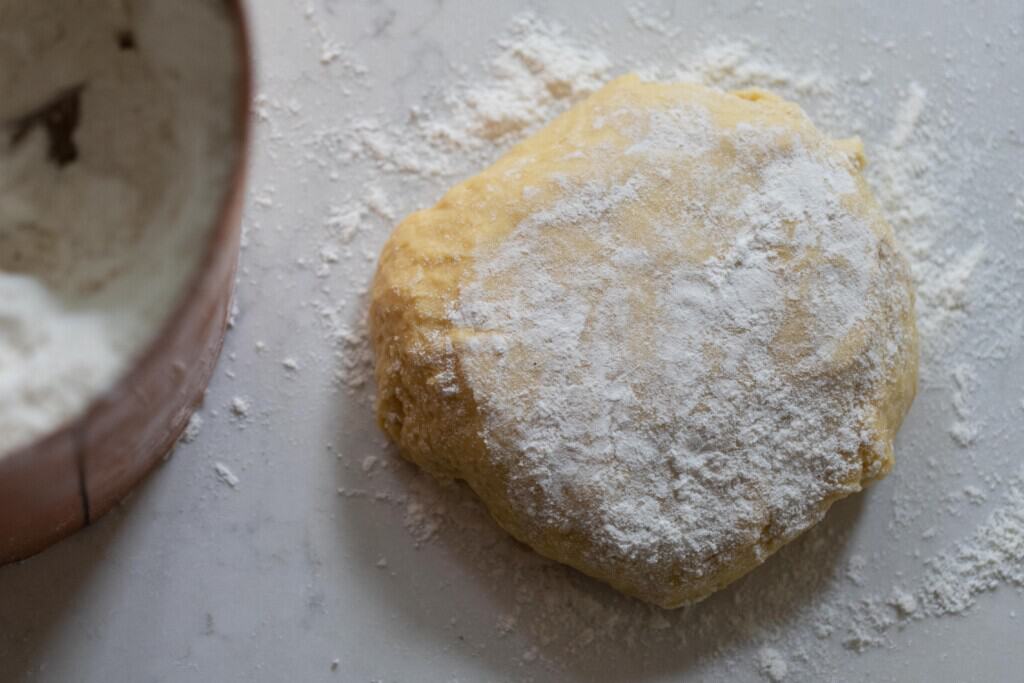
(659, 338)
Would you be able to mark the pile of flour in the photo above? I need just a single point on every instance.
(115, 143)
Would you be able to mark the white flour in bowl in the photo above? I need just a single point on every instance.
(115, 147)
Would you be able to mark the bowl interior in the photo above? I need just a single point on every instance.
(119, 138)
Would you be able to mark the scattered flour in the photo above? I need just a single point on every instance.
(991, 556)
(773, 664)
(192, 429)
(908, 116)
(538, 72)
(904, 602)
(225, 475)
(644, 18)
(963, 430)
(240, 407)
(922, 170)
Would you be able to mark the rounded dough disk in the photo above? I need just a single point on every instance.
(659, 338)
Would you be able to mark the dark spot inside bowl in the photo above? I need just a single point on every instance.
(126, 40)
(59, 118)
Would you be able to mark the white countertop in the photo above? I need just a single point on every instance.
(281, 576)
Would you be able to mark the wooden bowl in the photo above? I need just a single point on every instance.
(68, 479)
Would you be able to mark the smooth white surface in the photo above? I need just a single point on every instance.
(193, 580)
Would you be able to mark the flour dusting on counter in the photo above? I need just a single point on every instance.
(953, 531)
(225, 475)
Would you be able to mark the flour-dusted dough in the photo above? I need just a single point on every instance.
(659, 338)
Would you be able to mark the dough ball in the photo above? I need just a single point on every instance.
(659, 338)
